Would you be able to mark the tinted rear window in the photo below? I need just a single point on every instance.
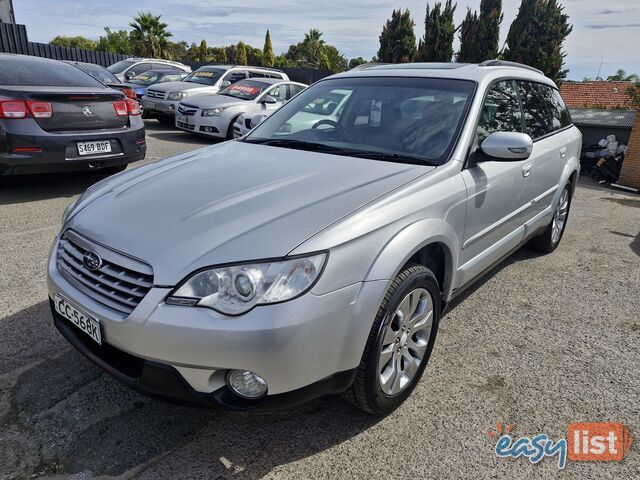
(47, 74)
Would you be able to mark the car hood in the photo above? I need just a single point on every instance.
(179, 87)
(214, 100)
(229, 203)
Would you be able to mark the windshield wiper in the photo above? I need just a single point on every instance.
(393, 157)
(300, 145)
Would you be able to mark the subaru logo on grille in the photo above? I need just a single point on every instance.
(87, 112)
(92, 261)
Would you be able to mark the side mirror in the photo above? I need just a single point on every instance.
(507, 146)
(269, 100)
(129, 75)
(224, 84)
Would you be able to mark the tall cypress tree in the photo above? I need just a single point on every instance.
(241, 54)
(397, 40)
(536, 37)
(437, 43)
(268, 56)
(479, 35)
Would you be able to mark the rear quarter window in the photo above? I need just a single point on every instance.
(45, 74)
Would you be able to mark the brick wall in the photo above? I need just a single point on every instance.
(630, 174)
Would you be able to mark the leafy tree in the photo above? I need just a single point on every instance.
(281, 61)
(268, 56)
(115, 42)
(621, 76)
(241, 54)
(74, 42)
(176, 50)
(437, 43)
(479, 35)
(218, 55)
(203, 51)
(149, 35)
(333, 60)
(536, 37)
(397, 40)
(354, 62)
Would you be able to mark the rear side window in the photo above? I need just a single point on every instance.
(47, 74)
(540, 113)
(562, 112)
(500, 112)
(140, 68)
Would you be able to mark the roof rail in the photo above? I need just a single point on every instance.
(505, 63)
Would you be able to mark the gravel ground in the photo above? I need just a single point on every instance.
(540, 341)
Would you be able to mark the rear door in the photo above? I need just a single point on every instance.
(497, 196)
(545, 118)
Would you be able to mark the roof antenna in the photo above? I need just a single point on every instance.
(600, 67)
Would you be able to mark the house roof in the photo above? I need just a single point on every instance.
(600, 94)
(595, 117)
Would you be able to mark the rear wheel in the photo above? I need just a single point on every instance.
(549, 240)
(400, 342)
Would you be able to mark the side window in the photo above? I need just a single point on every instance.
(562, 112)
(500, 112)
(296, 89)
(160, 66)
(279, 93)
(253, 74)
(540, 116)
(140, 68)
(236, 76)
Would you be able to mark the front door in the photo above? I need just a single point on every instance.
(497, 194)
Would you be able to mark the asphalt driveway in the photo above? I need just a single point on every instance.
(539, 342)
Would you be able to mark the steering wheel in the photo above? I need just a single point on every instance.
(338, 128)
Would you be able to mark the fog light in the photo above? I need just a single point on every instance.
(246, 384)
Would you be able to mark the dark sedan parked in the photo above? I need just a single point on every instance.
(105, 76)
(54, 117)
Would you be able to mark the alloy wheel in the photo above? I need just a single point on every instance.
(405, 342)
(560, 216)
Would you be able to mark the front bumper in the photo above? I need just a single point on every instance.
(59, 150)
(302, 347)
(210, 126)
(158, 106)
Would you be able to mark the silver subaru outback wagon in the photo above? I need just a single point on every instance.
(316, 258)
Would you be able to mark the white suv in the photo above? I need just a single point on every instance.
(162, 101)
(316, 257)
(129, 68)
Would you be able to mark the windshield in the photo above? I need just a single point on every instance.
(146, 78)
(99, 73)
(414, 120)
(245, 90)
(121, 66)
(205, 76)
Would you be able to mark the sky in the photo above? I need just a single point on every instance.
(605, 37)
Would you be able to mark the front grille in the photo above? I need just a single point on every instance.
(156, 94)
(120, 283)
(186, 126)
(187, 110)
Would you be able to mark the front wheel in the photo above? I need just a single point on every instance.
(549, 240)
(400, 342)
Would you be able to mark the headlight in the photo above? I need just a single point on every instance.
(176, 95)
(212, 112)
(234, 290)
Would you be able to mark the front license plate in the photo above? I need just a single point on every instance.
(93, 148)
(80, 319)
(149, 105)
(182, 119)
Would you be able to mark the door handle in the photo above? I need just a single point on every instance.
(526, 169)
(563, 152)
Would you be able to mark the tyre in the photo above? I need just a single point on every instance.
(230, 129)
(145, 114)
(549, 240)
(400, 342)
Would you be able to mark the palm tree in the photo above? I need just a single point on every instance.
(621, 76)
(313, 48)
(149, 35)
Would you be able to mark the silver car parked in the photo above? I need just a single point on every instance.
(214, 115)
(305, 260)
